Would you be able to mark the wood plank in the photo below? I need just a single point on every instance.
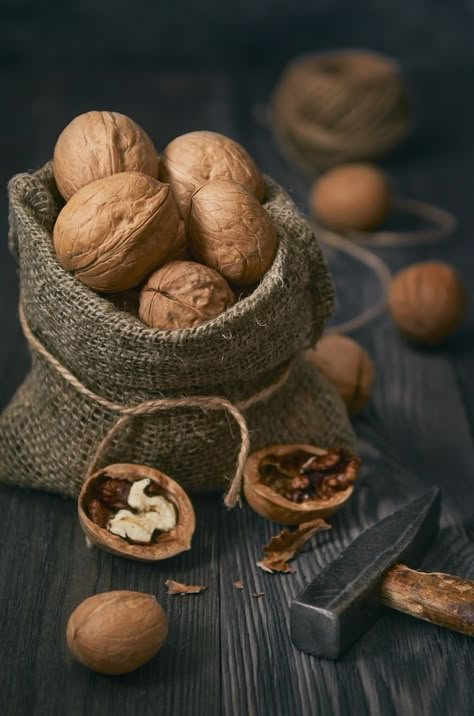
(229, 652)
(47, 570)
(414, 434)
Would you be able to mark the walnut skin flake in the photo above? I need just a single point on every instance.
(179, 588)
(287, 545)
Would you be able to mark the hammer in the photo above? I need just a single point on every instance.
(376, 570)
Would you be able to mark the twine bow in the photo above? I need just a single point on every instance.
(150, 407)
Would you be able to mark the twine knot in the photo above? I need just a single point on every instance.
(150, 407)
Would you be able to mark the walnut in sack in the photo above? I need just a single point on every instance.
(193, 159)
(113, 232)
(229, 230)
(184, 294)
(97, 144)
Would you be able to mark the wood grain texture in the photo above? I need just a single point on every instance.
(229, 652)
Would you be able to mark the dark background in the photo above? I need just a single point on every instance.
(177, 67)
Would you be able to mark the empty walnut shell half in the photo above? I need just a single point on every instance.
(292, 484)
(106, 493)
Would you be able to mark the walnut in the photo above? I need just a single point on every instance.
(137, 512)
(97, 144)
(113, 232)
(230, 231)
(428, 302)
(193, 159)
(347, 366)
(116, 632)
(352, 196)
(294, 484)
(184, 294)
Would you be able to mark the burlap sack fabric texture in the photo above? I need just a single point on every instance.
(50, 431)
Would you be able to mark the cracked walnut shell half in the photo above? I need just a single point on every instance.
(292, 484)
(137, 512)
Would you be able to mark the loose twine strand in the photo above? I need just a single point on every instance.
(355, 243)
(150, 407)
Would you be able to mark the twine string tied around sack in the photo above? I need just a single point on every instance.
(150, 407)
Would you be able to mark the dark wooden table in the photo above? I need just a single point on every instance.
(229, 652)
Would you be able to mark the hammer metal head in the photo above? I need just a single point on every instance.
(342, 602)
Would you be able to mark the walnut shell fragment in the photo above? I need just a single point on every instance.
(316, 482)
(180, 588)
(193, 159)
(230, 231)
(115, 231)
(286, 545)
(184, 294)
(106, 493)
(97, 144)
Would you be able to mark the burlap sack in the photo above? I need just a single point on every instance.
(50, 432)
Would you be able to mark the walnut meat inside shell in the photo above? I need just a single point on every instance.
(292, 484)
(230, 231)
(193, 159)
(97, 144)
(113, 232)
(183, 294)
(137, 512)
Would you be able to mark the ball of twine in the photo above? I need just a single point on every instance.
(341, 106)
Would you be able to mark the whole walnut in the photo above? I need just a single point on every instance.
(428, 302)
(352, 196)
(113, 232)
(97, 144)
(229, 230)
(116, 632)
(184, 294)
(193, 159)
(347, 366)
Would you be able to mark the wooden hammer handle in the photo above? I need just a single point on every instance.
(442, 599)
